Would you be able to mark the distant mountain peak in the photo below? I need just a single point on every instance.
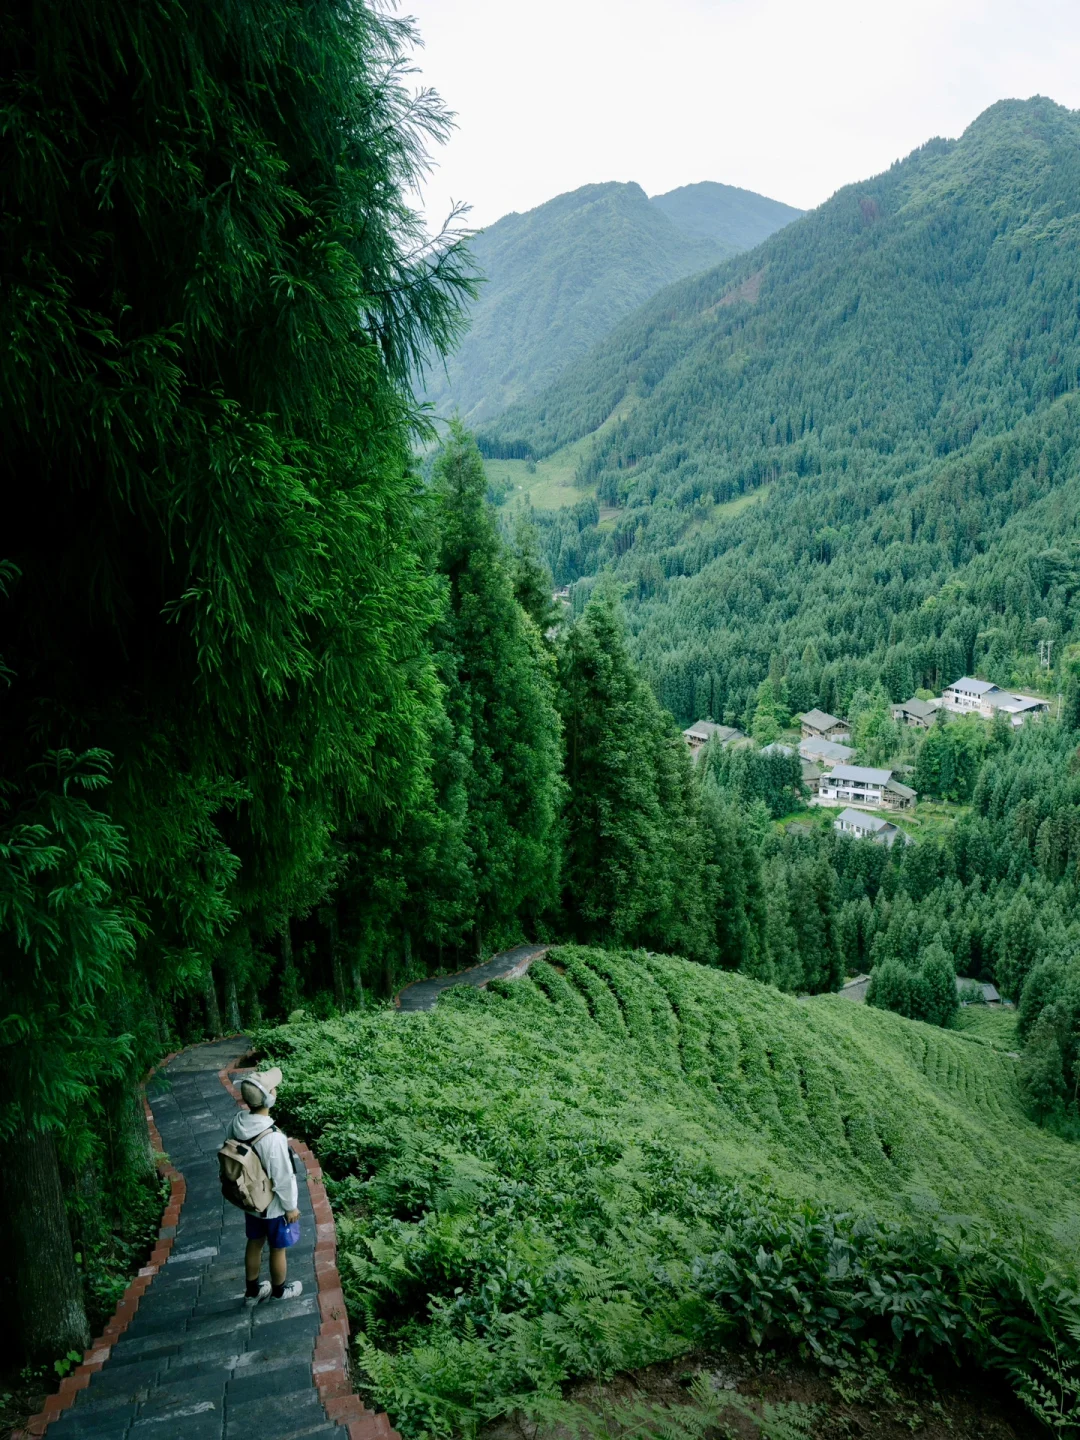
(738, 218)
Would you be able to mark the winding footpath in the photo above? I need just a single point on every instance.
(509, 965)
(183, 1358)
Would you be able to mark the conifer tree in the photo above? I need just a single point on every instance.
(634, 846)
(501, 701)
(734, 899)
(533, 584)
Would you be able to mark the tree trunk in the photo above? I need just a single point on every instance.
(159, 1028)
(136, 1154)
(479, 941)
(87, 1223)
(336, 967)
(252, 1003)
(233, 1005)
(213, 1014)
(290, 989)
(358, 983)
(48, 1291)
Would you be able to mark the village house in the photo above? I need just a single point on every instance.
(1019, 707)
(867, 827)
(825, 752)
(975, 988)
(698, 735)
(816, 724)
(981, 697)
(919, 713)
(863, 785)
(855, 989)
(811, 775)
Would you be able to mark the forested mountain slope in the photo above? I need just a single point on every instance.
(559, 277)
(897, 369)
(735, 217)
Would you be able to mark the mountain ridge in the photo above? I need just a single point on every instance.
(667, 328)
(561, 275)
(902, 380)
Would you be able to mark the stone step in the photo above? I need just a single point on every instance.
(274, 1417)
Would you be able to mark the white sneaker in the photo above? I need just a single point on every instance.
(291, 1291)
(264, 1294)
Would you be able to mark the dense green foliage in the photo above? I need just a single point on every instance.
(559, 278)
(623, 1157)
(893, 378)
(634, 866)
(214, 293)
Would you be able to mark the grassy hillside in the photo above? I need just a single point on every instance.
(560, 277)
(901, 366)
(573, 1174)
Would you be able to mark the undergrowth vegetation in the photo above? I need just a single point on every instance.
(623, 1158)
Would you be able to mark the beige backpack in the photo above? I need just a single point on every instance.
(244, 1181)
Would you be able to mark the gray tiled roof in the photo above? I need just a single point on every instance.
(865, 773)
(819, 720)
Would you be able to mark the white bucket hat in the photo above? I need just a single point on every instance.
(267, 1081)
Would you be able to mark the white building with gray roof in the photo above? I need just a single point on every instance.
(866, 786)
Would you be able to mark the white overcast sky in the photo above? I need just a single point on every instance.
(792, 98)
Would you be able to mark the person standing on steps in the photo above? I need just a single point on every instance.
(279, 1223)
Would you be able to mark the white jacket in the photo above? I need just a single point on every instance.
(273, 1151)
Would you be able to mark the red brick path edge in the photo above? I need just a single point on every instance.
(94, 1358)
(330, 1365)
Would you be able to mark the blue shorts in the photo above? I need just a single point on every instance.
(277, 1230)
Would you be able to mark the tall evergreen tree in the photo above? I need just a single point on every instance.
(734, 900)
(532, 577)
(634, 846)
(501, 700)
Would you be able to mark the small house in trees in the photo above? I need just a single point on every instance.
(864, 785)
(977, 991)
(1020, 707)
(971, 697)
(825, 752)
(919, 713)
(867, 827)
(698, 735)
(817, 725)
(811, 775)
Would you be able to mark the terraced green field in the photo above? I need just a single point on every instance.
(994, 1026)
(536, 1182)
